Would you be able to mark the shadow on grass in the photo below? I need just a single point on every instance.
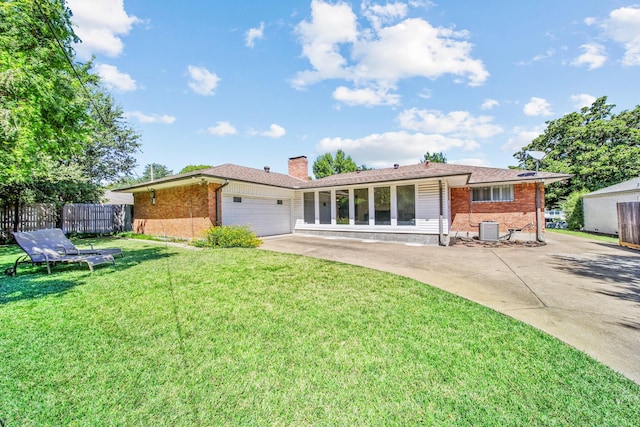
(621, 272)
(33, 282)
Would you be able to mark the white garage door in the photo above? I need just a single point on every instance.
(266, 217)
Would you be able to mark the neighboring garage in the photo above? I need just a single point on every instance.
(265, 216)
(600, 207)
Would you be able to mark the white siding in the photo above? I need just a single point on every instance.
(428, 207)
(601, 212)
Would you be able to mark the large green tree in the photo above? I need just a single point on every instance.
(193, 168)
(438, 157)
(327, 165)
(61, 136)
(155, 171)
(598, 147)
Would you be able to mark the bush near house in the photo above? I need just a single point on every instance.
(572, 207)
(228, 236)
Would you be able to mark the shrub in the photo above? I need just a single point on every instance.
(228, 236)
(572, 207)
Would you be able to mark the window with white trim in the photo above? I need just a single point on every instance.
(494, 193)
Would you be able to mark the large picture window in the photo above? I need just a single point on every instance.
(382, 198)
(406, 195)
(324, 198)
(496, 193)
(342, 206)
(361, 203)
(309, 208)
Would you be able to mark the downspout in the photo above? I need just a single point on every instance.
(539, 236)
(441, 219)
(218, 213)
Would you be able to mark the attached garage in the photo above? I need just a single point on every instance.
(265, 216)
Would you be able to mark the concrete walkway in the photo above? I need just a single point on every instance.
(585, 293)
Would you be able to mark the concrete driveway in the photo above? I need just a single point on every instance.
(585, 293)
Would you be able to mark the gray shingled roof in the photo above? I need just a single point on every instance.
(475, 175)
(630, 185)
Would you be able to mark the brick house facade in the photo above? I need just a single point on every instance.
(517, 214)
(421, 203)
(185, 211)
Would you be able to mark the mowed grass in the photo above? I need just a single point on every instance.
(181, 337)
(585, 235)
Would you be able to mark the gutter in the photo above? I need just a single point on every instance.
(218, 213)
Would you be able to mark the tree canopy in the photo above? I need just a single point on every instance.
(599, 148)
(193, 168)
(438, 157)
(327, 164)
(157, 170)
(61, 135)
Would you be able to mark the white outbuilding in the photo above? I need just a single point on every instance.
(600, 207)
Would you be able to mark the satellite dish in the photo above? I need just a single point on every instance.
(538, 155)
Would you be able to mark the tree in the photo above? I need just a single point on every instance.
(42, 113)
(60, 134)
(326, 165)
(193, 168)
(434, 158)
(158, 170)
(599, 148)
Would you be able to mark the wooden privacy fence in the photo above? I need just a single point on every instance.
(74, 218)
(32, 217)
(102, 219)
(629, 224)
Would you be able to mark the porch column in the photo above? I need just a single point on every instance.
(316, 202)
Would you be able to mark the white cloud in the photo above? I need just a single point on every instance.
(521, 137)
(489, 103)
(99, 24)
(202, 81)
(330, 25)
(469, 162)
(378, 14)
(275, 131)
(254, 34)
(395, 147)
(382, 55)
(114, 79)
(537, 107)
(623, 26)
(368, 96)
(460, 124)
(589, 21)
(582, 100)
(594, 56)
(222, 128)
(153, 118)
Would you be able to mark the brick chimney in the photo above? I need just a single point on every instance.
(299, 167)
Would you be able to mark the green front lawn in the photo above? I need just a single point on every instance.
(585, 235)
(246, 337)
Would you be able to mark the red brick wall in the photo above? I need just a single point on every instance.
(466, 215)
(183, 212)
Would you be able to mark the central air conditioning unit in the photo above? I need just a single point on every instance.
(489, 231)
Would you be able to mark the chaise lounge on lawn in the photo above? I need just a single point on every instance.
(51, 246)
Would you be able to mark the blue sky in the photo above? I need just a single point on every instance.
(256, 82)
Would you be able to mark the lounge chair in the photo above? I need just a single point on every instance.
(42, 248)
(56, 237)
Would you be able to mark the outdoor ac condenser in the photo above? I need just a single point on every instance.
(489, 231)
